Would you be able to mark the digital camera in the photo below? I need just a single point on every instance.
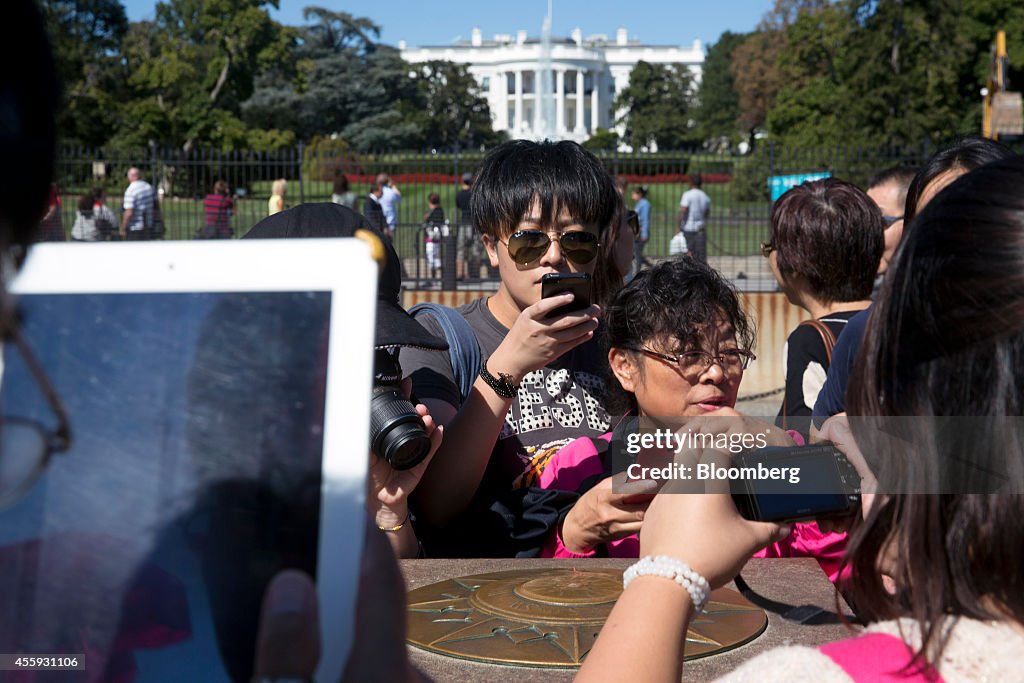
(795, 483)
(397, 433)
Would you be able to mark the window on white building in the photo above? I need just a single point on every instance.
(570, 115)
(512, 115)
(588, 83)
(528, 111)
(570, 83)
(510, 79)
(485, 83)
(529, 83)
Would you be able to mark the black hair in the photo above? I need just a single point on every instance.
(607, 278)
(831, 233)
(559, 175)
(947, 338)
(641, 190)
(86, 202)
(340, 183)
(966, 153)
(677, 298)
(29, 101)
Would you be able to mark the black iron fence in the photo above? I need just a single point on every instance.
(740, 188)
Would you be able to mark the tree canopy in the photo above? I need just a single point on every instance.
(657, 106)
(223, 73)
(878, 72)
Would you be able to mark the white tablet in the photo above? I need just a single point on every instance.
(218, 395)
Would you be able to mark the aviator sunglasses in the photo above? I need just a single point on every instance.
(526, 246)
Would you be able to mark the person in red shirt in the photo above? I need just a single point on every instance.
(218, 207)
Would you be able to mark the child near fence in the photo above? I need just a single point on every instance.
(434, 229)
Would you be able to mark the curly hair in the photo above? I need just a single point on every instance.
(676, 299)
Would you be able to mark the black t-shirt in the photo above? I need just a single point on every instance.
(555, 404)
(462, 203)
(435, 216)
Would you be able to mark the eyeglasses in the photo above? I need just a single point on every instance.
(697, 362)
(889, 220)
(26, 445)
(526, 246)
(634, 222)
(767, 248)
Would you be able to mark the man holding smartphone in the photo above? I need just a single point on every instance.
(541, 208)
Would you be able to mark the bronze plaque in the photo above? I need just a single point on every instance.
(550, 617)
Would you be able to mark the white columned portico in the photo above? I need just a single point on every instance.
(560, 101)
(579, 101)
(509, 68)
(519, 100)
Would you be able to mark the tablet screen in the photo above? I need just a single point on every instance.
(194, 475)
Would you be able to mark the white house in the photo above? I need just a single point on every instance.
(586, 75)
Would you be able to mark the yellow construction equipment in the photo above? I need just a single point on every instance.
(1003, 110)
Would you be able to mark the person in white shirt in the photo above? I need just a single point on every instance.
(138, 208)
(694, 211)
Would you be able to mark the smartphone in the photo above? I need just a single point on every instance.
(795, 484)
(579, 284)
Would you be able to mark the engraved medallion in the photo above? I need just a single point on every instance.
(551, 617)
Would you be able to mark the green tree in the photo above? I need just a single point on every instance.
(658, 106)
(87, 38)
(813, 106)
(450, 107)
(338, 81)
(755, 63)
(191, 68)
(719, 104)
(885, 72)
(336, 31)
(603, 140)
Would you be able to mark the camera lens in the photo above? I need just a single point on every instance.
(396, 429)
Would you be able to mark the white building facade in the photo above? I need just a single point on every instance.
(586, 74)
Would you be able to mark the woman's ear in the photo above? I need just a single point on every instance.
(624, 366)
(491, 245)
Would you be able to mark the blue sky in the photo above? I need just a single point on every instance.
(421, 22)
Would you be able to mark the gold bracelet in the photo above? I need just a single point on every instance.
(400, 525)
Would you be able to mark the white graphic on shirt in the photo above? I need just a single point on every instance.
(556, 398)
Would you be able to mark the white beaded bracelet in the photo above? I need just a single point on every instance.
(670, 568)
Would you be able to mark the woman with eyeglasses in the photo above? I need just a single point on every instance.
(678, 342)
(826, 240)
(541, 208)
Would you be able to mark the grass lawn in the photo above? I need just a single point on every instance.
(736, 228)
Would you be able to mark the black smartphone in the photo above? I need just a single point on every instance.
(579, 284)
(794, 484)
